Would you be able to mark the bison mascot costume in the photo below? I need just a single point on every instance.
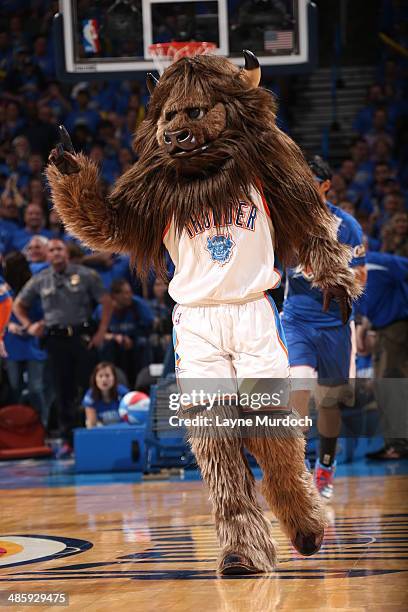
(220, 187)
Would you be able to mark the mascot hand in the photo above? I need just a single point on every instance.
(339, 294)
(63, 155)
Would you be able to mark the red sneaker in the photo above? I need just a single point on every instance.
(323, 478)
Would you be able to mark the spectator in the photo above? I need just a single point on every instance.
(101, 401)
(392, 203)
(395, 235)
(36, 193)
(21, 147)
(126, 341)
(41, 136)
(24, 355)
(37, 253)
(5, 312)
(379, 130)
(34, 223)
(25, 79)
(106, 136)
(381, 153)
(68, 293)
(82, 138)
(360, 154)
(110, 267)
(366, 222)
(364, 119)
(35, 165)
(13, 122)
(384, 307)
(54, 100)
(55, 225)
(42, 58)
(374, 196)
(162, 306)
(108, 167)
(12, 192)
(82, 114)
(9, 210)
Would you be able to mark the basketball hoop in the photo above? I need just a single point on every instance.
(163, 54)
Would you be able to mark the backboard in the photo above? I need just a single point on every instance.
(110, 39)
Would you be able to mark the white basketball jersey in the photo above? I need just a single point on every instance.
(234, 263)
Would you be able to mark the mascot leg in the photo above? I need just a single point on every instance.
(288, 486)
(243, 532)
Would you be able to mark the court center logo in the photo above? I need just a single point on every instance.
(220, 248)
(23, 549)
(354, 547)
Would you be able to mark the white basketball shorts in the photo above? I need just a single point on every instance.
(227, 344)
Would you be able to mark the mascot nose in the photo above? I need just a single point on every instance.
(179, 139)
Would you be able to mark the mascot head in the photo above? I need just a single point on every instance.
(198, 112)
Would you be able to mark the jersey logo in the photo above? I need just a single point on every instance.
(220, 248)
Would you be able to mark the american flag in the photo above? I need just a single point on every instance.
(275, 41)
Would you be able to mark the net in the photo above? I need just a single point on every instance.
(163, 54)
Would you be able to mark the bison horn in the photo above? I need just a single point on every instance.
(151, 82)
(252, 71)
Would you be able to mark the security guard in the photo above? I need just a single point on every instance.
(68, 295)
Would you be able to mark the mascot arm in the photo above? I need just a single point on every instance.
(78, 199)
(76, 193)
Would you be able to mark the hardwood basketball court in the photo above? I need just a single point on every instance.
(151, 545)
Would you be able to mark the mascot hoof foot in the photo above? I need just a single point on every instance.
(308, 545)
(237, 565)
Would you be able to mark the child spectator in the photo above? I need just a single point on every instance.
(101, 401)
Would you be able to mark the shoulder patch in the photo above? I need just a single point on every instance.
(359, 250)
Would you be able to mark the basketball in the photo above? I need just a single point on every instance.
(134, 408)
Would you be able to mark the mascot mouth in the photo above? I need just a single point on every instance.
(184, 154)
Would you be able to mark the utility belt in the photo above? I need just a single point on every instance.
(69, 331)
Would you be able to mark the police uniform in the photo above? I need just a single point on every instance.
(68, 299)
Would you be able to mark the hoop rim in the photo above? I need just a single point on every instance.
(165, 49)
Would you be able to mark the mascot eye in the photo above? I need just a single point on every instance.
(170, 115)
(195, 113)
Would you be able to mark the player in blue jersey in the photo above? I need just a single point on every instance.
(319, 343)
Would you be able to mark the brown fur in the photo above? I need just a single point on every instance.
(240, 523)
(287, 485)
(246, 148)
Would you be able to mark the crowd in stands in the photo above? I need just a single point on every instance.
(371, 183)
